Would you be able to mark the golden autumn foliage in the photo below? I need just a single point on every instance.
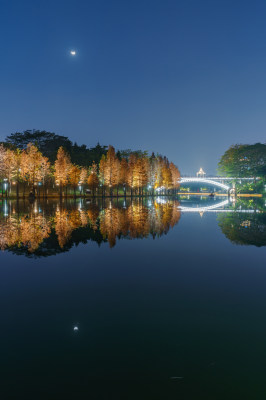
(109, 168)
(140, 173)
(45, 172)
(83, 176)
(9, 165)
(135, 172)
(130, 173)
(93, 180)
(2, 162)
(31, 164)
(62, 168)
(175, 175)
(123, 172)
(74, 177)
(166, 177)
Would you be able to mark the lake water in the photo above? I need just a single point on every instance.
(149, 299)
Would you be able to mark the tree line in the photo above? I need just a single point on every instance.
(49, 142)
(116, 174)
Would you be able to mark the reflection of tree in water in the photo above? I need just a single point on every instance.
(93, 215)
(63, 226)
(110, 224)
(33, 231)
(244, 228)
(9, 232)
(129, 222)
(28, 231)
(43, 229)
(138, 220)
(166, 217)
(55, 228)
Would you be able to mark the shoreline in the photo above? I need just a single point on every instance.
(208, 194)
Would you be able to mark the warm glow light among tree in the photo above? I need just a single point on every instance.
(32, 161)
(2, 162)
(110, 169)
(74, 177)
(93, 180)
(136, 170)
(62, 168)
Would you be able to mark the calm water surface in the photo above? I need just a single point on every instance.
(133, 300)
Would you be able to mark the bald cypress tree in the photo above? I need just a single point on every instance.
(110, 169)
(62, 168)
(93, 180)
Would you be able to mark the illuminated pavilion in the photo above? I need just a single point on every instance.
(201, 173)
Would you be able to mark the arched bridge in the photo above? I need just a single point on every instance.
(212, 207)
(205, 180)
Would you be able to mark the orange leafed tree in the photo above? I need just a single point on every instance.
(83, 176)
(93, 180)
(2, 162)
(159, 178)
(45, 172)
(130, 169)
(123, 173)
(62, 167)
(152, 171)
(10, 167)
(17, 168)
(166, 176)
(101, 171)
(130, 173)
(140, 173)
(74, 177)
(110, 168)
(175, 175)
(31, 160)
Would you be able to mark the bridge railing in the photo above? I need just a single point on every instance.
(221, 177)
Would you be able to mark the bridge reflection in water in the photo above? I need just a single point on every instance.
(48, 228)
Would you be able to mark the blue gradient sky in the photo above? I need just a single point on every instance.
(183, 78)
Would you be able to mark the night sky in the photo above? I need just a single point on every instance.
(183, 78)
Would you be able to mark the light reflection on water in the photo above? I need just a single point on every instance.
(30, 228)
(120, 299)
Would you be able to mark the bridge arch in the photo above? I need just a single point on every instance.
(205, 180)
(205, 208)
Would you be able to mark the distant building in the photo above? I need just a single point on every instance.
(201, 173)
